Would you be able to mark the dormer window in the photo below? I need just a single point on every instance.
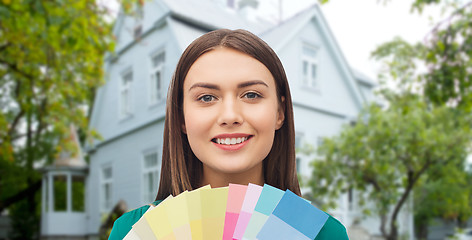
(310, 67)
(156, 90)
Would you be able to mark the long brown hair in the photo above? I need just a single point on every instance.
(181, 169)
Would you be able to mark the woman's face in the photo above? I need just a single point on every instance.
(231, 112)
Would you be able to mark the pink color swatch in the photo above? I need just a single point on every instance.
(236, 194)
(250, 200)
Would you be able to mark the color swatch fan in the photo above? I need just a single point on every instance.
(234, 212)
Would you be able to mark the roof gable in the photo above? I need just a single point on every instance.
(281, 35)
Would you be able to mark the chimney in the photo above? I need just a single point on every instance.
(248, 9)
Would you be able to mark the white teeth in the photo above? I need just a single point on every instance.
(230, 141)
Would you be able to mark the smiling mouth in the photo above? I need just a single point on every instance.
(231, 141)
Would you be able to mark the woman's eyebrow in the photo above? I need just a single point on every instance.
(204, 85)
(250, 83)
(216, 87)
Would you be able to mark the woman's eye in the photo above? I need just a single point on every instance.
(252, 95)
(206, 98)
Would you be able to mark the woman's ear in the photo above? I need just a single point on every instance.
(184, 130)
(280, 114)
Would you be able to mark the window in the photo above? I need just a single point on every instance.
(150, 176)
(350, 198)
(106, 188)
(319, 141)
(60, 193)
(156, 93)
(125, 94)
(309, 67)
(78, 193)
(298, 145)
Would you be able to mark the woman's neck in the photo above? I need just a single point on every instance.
(218, 179)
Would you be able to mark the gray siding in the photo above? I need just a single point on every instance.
(125, 155)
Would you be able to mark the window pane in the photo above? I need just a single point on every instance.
(150, 160)
(313, 74)
(155, 177)
(127, 78)
(151, 183)
(60, 193)
(107, 174)
(298, 140)
(124, 102)
(78, 193)
(305, 72)
(158, 59)
(158, 84)
(107, 195)
(319, 141)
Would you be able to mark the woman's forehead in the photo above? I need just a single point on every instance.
(225, 64)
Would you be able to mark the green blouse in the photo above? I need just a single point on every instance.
(332, 229)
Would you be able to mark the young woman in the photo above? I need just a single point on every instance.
(229, 119)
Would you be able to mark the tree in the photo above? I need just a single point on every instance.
(433, 77)
(51, 56)
(388, 153)
(445, 194)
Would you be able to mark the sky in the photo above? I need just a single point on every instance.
(359, 26)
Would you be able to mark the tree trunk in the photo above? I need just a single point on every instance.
(25, 193)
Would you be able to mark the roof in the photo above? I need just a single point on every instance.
(209, 15)
(66, 158)
(362, 78)
(275, 35)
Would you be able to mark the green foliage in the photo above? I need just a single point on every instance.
(446, 194)
(387, 150)
(22, 217)
(51, 56)
(386, 154)
(420, 140)
(445, 54)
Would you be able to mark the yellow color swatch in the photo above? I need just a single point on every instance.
(213, 202)
(195, 213)
(159, 221)
(177, 212)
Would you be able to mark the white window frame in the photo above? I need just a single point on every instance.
(299, 140)
(311, 61)
(156, 88)
(125, 95)
(153, 172)
(319, 141)
(106, 204)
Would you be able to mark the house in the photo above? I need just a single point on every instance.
(129, 109)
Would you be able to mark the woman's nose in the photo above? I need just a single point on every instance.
(230, 113)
